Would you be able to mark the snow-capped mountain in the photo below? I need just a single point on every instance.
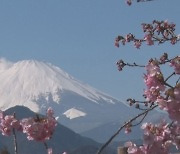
(38, 85)
(27, 81)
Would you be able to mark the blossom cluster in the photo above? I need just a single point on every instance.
(154, 81)
(159, 91)
(176, 64)
(158, 31)
(36, 128)
(39, 129)
(120, 64)
(8, 123)
(171, 103)
(158, 138)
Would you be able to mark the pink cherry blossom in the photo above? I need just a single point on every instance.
(163, 58)
(120, 64)
(39, 129)
(8, 123)
(157, 138)
(137, 44)
(50, 151)
(148, 38)
(154, 81)
(128, 130)
(116, 43)
(162, 102)
(129, 2)
(176, 64)
(129, 37)
(50, 112)
(173, 103)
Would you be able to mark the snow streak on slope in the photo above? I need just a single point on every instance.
(74, 113)
(25, 82)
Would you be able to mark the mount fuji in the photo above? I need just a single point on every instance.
(39, 85)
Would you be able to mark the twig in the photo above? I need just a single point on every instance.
(15, 139)
(177, 81)
(129, 122)
(144, 0)
(170, 76)
(143, 117)
(140, 120)
(134, 64)
(165, 83)
(46, 146)
(15, 142)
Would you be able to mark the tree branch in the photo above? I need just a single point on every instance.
(15, 138)
(15, 142)
(118, 131)
(170, 76)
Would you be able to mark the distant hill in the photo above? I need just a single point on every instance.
(104, 132)
(92, 150)
(63, 139)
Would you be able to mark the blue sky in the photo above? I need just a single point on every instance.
(78, 36)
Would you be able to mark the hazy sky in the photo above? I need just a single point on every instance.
(78, 36)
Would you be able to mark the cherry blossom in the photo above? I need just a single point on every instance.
(120, 64)
(129, 2)
(176, 64)
(158, 31)
(154, 81)
(39, 129)
(157, 139)
(50, 151)
(8, 123)
(137, 44)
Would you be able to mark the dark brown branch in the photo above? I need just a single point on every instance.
(142, 102)
(177, 81)
(15, 139)
(15, 142)
(143, 117)
(144, 0)
(165, 83)
(118, 131)
(142, 109)
(134, 65)
(170, 76)
(140, 120)
(46, 146)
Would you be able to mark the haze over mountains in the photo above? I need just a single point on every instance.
(38, 85)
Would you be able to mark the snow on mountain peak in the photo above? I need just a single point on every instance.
(74, 113)
(4, 64)
(39, 85)
(25, 82)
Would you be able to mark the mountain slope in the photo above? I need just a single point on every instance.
(104, 132)
(38, 85)
(26, 81)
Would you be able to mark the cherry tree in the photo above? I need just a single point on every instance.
(159, 92)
